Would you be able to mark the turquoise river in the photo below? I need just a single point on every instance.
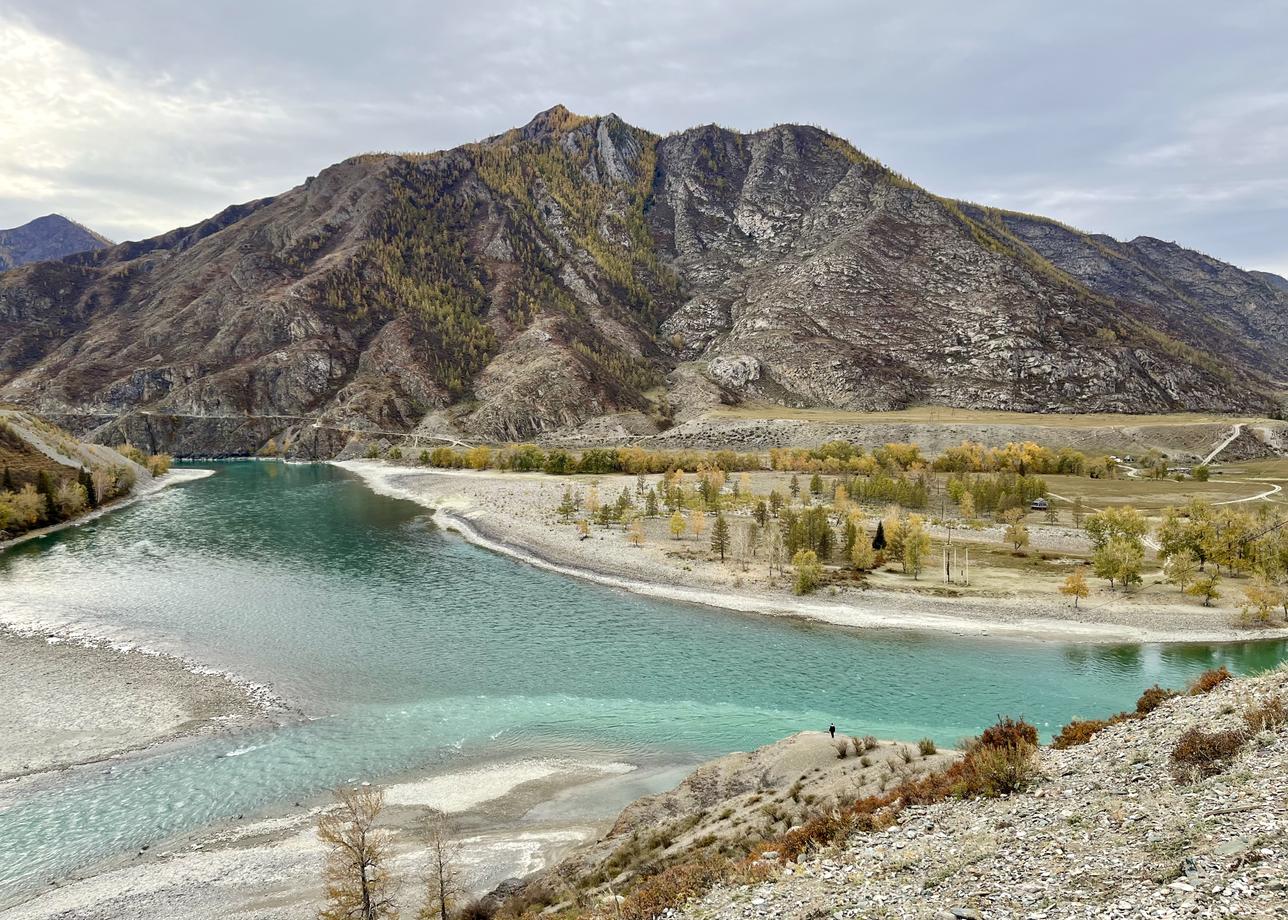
(407, 649)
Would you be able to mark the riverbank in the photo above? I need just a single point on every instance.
(514, 514)
(145, 489)
(70, 704)
(508, 819)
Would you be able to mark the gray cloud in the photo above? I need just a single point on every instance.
(1167, 119)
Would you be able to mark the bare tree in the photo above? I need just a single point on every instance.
(442, 881)
(358, 883)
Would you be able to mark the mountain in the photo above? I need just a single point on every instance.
(579, 267)
(1275, 281)
(50, 237)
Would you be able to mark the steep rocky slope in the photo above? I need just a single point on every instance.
(1108, 831)
(50, 237)
(578, 268)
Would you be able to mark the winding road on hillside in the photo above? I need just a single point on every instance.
(1238, 430)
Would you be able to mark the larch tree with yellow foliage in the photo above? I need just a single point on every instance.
(358, 883)
(1075, 586)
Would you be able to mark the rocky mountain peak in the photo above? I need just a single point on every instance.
(50, 237)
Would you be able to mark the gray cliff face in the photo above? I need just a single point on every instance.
(579, 268)
(848, 287)
(1233, 314)
(50, 237)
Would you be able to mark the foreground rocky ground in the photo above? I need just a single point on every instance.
(1106, 832)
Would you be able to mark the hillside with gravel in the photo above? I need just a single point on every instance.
(1146, 820)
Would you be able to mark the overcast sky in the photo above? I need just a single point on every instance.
(1161, 118)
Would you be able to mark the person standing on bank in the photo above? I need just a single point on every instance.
(831, 730)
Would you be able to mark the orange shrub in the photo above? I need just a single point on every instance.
(1009, 732)
(1210, 680)
(1152, 698)
(1079, 732)
(1198, 753)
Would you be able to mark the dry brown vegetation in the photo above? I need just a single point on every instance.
(1080, 731)
(1199, 754)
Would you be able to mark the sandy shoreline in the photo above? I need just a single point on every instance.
(509, 818)
(73, 703)
(511, 513)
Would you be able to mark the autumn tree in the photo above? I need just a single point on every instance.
(1206, 587)
(1125, 522)
(1120, 559)
(697, 523)
(1075, 586)
(1017, 534)
(442, 881)
(635, 532)
(358, 883)
(677, 525)
(1260, 599)
(1181, 568)
(809, 574)
(916, 546)
(862, 556)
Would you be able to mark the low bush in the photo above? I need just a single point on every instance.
(1210, 680)
(1009, 732)
(842, 748)
(927, 747)
(992, 771)
(1078, 732)
(870, 743)
(1152, 698)
(1199, 754)
(672, 887)
(475, 910)
(1266, 715)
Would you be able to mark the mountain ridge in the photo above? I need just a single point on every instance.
(52, 236)
(578, 267)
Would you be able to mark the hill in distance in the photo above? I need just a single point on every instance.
(50, 237)
(579, 268)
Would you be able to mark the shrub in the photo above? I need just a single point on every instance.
(927, 747)
(1210, 680)
(842, 748)
(1152, 698)
(672, 887)
(475, 910)
(820, 831)
(159, 464)
(906, 754)
(994, 771)
(870, 743)
(1267, 715)
(1009, 732)
(1078, 732)
(1198, 753)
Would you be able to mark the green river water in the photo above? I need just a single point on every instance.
(407, 649)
